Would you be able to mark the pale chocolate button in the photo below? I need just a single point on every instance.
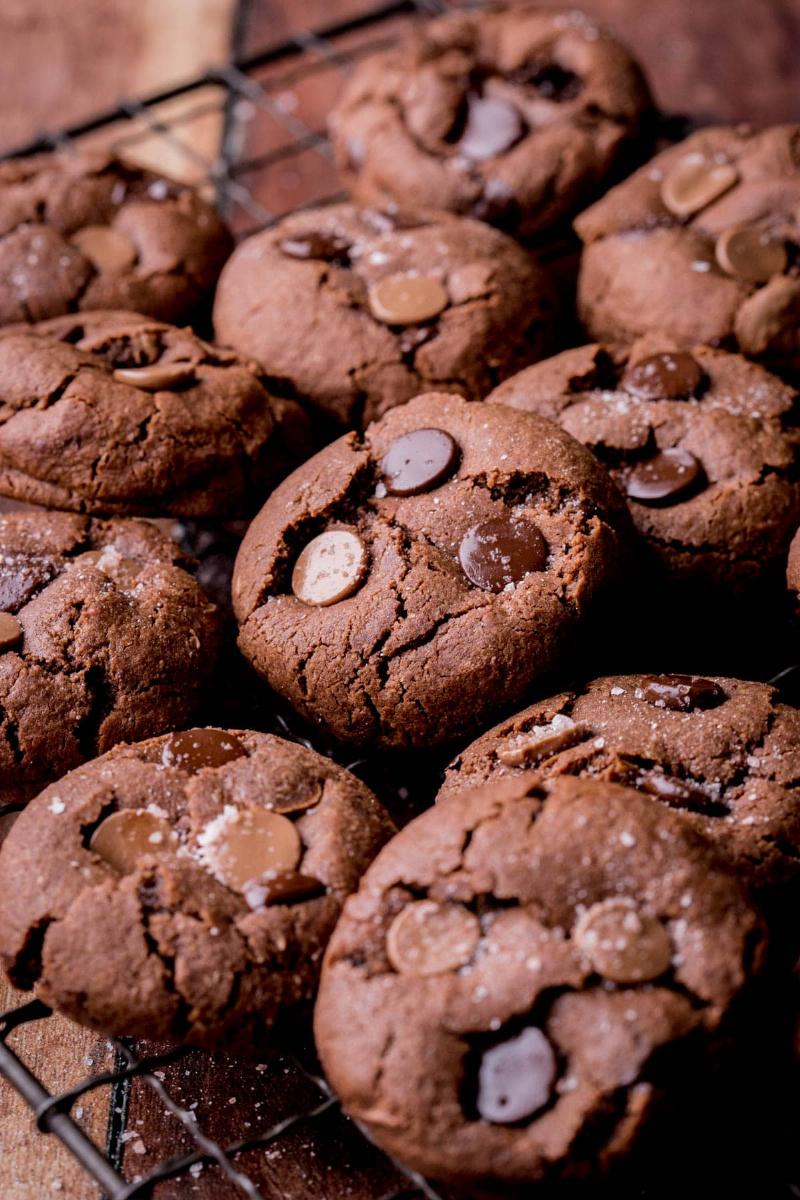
(694, 182)
(623, 943)
(665, 478)
(542, 741)
(418, 461)
(155, 378)
(193, 749)
(670, 376)
(492, 127)
(10, 632)
(107, 249)
(427, 938)
(407, 299)
(330, 568)
(500, 552)
(516, 1078)
(128, 836)
(249, 845)
(749, 253)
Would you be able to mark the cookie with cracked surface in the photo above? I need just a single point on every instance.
(118, 413)
(400, 586)
(713, 221)
(516, 117)
(701, 441)
(723, 753)
(356, 310)
(104, 637)
(87, 231)
(793, 569)
(185, 887)
(522, 971)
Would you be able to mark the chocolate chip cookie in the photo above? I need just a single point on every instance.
(400, 586)
(104, 637)
(516, 117)
(118, 413)
(357, 311)
(702, 243)
(185, 887)
(793, 568)
(86, 231)
(723, 752)
(700, 440)
(521, 973)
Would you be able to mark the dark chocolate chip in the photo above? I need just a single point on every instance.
(681, 692)
(665, 478)
(516, 1078)
(194, 749)
(501, 551)
(492, 127)
(328, 247)
(664, 377)
(419, 461)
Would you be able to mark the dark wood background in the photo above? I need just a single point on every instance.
(718, 60)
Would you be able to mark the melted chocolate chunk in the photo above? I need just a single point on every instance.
(681, 693)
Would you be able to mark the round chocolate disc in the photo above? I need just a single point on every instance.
(623, 943)
(491, 128)
(156, 378)
(516, 1078)
(665, 478)
(407, 299)
(671, 376)
(501, 551)
(107, 249)
(194, 749)
(325, 246)
(330, 568)
(250, 844)
(418, 461)
(681, 692)
(125, 837)
(10, 632)
(749, 253)
(427, 938)
(693, 183)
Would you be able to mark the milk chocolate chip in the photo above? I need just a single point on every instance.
(674, 376)
(156, 378)
(501, 551)
(492, 127)
(750, 253)
(107, 249)
(516, 1078)
(10, 632)
(623, 943)
(331, 567)
(250, 844)
(665, 478)
(693, 183)
(407, 299)
(125, 837)
(427, 938)
(194, 749)
(418, 461)
(680, 692)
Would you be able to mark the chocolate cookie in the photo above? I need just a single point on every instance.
(81, 231)
(185, 887)
(357, 311)
(700, 441)
(401, 586)
(701, 244)
(117, 413)
(521, 972)
(103, 637)
(724, 753)
(516, 117)
(793, 568)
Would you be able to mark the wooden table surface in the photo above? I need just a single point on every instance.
(715, 59)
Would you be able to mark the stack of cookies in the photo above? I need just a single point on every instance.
(476, 477)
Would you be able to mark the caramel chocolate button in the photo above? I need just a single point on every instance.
(516, 1078)
(418, 461)
(693, 183)
(680, 692)
(194, 749)
(253, 842)
(500, 552)
(664, 377)
(492, 127)
(328, 247)
(541, 741)
(330, 568)
(427, 938)
(156, 378)
(677, 792)
(126, 837)
(407, 299)
(665, 478)
(286, 887)
(10, 632)
(749, 253)
(107, 249)
(623, 943)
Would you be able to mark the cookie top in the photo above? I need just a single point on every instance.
(700, 441)
(793, 566)
(104, 636)
(518, 974)
(117, 413)
(86, 230)
(400, 586)
(516, 117)
(185, 887)
(724, 753)
(712, 222)
(357, 311)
